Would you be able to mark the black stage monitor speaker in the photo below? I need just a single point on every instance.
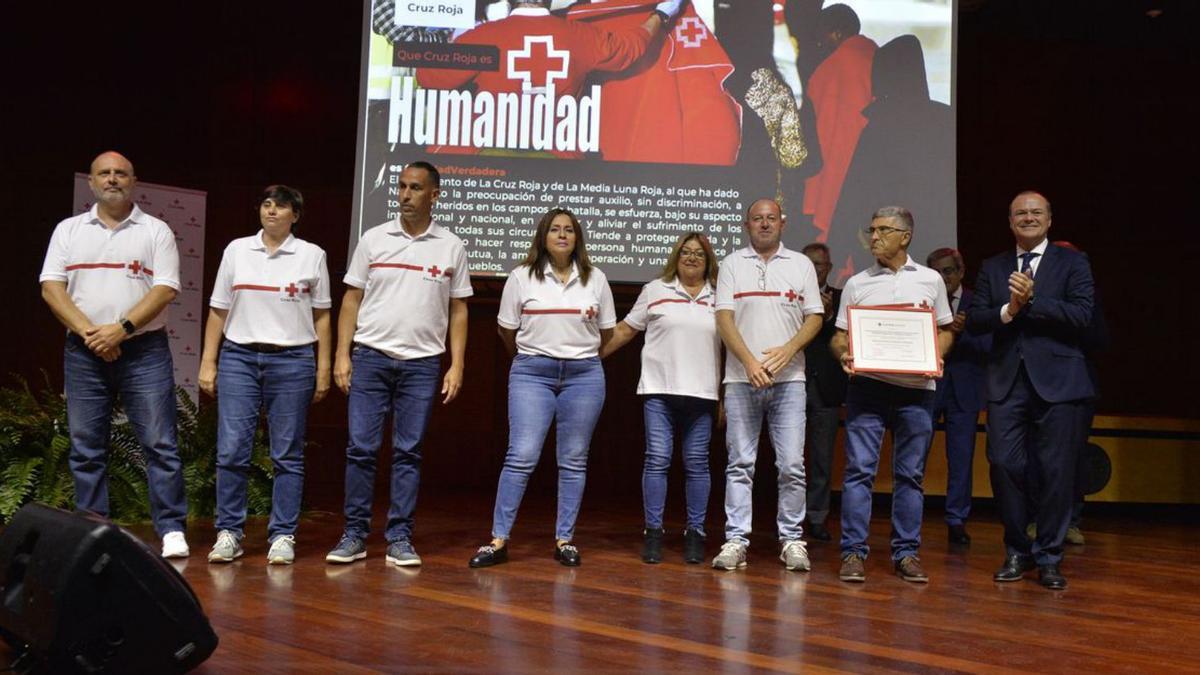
(79, 594)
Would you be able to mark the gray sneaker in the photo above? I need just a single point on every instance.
(731, 557)
(402, 554)
(283, 551)
(227, 549)
(794, 555)
(347, 550)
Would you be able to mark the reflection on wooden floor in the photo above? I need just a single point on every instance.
(1132, 604)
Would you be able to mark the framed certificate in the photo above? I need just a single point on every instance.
(894, 339)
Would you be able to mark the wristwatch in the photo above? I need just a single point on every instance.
(130, 329)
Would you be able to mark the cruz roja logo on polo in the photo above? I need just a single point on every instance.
(437, 274)
(291, 292)
(589, 314)
(792, 296)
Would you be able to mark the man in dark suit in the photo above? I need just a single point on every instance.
(960, 394)
(826, 391)
(1036, 301)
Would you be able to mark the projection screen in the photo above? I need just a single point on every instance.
(833, 111)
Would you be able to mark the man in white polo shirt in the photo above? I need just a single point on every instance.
(407, 282)
(768, 309)
(877, 401)
(108, 276)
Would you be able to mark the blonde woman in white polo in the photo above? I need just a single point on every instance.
(681, 376)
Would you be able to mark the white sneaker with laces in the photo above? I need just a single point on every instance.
(794, 555)
(731, 557)
(174, 545)
(227, 549)
(283, 550)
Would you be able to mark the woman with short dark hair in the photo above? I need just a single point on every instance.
(271, 304)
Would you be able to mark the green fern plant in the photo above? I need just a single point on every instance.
(35, 445)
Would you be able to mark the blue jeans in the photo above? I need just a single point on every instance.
(871, 407)
(144, 379)
(246, 382)
(540, 390)
(783, 405)
(379, 383)
(692, 418)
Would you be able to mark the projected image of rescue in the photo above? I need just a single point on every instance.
(649, 118)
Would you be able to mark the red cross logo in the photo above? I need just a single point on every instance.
(292, 290)
(533, 65)
(590, 313)
(791, 295)
(136, 267)
(434, 271)
(691, 32)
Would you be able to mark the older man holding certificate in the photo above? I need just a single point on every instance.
(891, 343)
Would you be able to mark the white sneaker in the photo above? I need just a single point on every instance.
(731, 557)
(174, 545)
(227, 549)
(283, 550)
(794, 555)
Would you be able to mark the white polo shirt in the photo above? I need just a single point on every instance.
(682, 355)
(911, 284)
(107, 272)
(407, 284)
(562, 321)
(769, 301)
(270, 297)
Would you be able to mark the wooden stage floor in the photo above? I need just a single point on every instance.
(1133, 604)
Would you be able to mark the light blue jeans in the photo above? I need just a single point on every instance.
(783, 406)
(540, 390)
(690, 418)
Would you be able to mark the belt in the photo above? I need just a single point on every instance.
(265, 348)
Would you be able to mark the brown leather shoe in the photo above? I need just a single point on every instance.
(853, 569)
(909, 568)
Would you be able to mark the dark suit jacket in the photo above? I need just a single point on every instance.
(1046, 333)
(819, 362)
(965, 365)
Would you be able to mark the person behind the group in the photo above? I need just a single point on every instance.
(681, 375)
(108, 276)
(270, 302)
(825, 387)
(768, 309)
(960, 394)
(876, 402)
(1037, 302)
(556, 312)
(406, 285)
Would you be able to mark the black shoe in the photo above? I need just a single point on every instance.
(1014, 568)
(567, 555)
(652, 545)
(1050, 577)
(693, 547)
(957, 534)
(818, 532)
(489, 555)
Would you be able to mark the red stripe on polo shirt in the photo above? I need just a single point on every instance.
(96, 266)
(401, 266)
(659, 302)
(255, 287)
(550, 311)
(756, 294)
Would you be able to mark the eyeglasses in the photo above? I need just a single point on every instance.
(882, 230)
(948, 270)
(762, 278)
(698, 254)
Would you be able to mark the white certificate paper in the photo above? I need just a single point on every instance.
(894, 339)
